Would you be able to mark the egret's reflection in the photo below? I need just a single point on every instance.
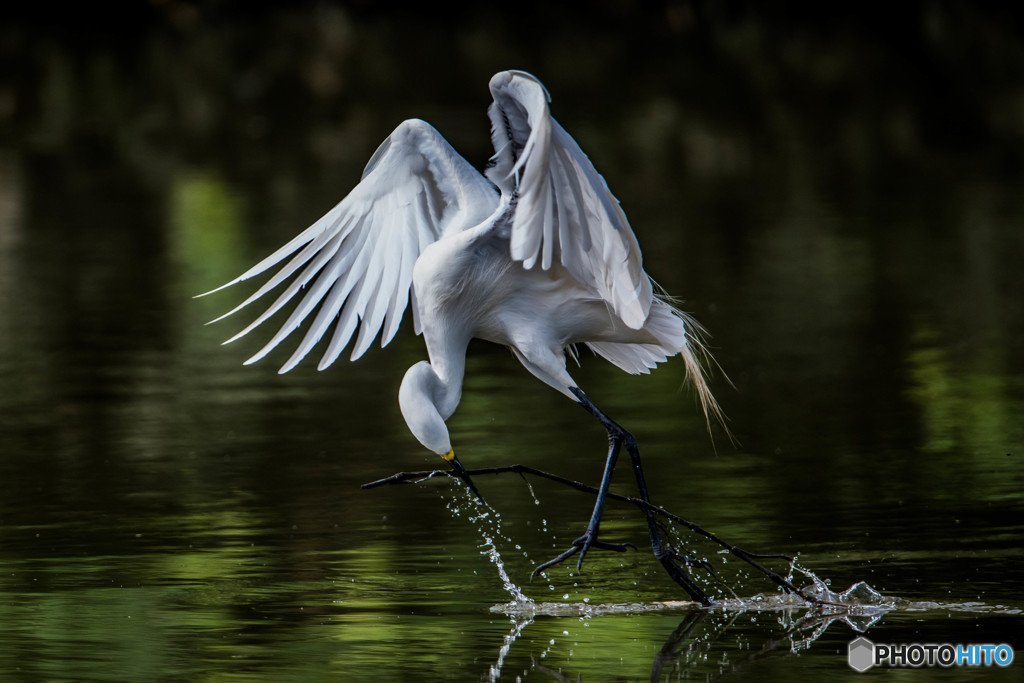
(712, 642)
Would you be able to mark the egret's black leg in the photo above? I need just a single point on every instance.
(589, 538)
(662, 552)
(617, 438)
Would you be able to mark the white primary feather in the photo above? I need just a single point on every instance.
(358, 258)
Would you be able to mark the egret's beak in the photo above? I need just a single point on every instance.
(463, 474)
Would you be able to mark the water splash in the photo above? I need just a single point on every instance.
(529, 486)
(519, 611)
(803, 622)
(487, 521)
(794, 624)
(860, 600)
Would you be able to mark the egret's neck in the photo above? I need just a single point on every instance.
(428, 399)
(448, 361)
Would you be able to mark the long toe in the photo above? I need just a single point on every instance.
(551, 563)
(681, 576)
(586, 542)
(581, 545)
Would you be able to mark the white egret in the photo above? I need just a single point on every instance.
(536, 255)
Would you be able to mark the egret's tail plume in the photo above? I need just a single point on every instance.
(696, 356)
(676, 332)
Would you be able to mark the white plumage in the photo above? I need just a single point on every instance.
(542, 201)
(538, 256)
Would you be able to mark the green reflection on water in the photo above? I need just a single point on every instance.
(208, 229)
(960, 407)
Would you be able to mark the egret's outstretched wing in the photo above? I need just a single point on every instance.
(357, 260)
(564, 209)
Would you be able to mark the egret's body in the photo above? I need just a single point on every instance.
(537, 256)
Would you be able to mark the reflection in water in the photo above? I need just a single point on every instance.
(801, 618)
(727, 638)
(688, 648)
(494, 673)
(734, 634)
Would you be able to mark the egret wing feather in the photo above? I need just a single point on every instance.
(308, 273)
(300, 259)
(325, 317)
(359, 256)
(400, 295)
(390, 252)
(554, 182)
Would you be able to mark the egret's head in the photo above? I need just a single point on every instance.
(418, 399)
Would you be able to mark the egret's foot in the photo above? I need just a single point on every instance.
(581, 545)
(670, 560)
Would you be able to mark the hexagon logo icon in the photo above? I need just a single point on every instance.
(861, 654)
